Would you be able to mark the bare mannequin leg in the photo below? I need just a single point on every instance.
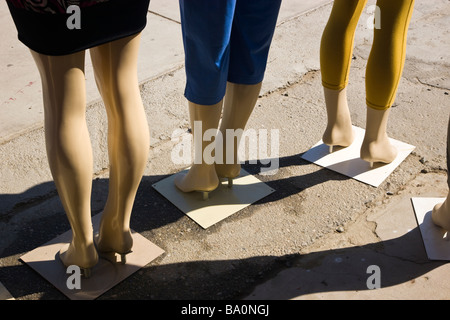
(69, 149)
(339, 131)
(376, 146)
(115, 66)
(202, 175)
(441, 212)
(240, 100)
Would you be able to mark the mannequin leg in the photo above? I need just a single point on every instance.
(339, 131)
(335, 59)
(115, 67)
(441, 212)
(69, 149)
(202, 175)
(376, 146)
(384, 70)
(240, 100)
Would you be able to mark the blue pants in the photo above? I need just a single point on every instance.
(225, 40)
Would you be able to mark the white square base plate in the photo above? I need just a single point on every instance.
(347, 161)
(435, 239)
(105, 275)
(222, 202)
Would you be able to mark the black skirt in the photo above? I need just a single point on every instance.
(58, 32)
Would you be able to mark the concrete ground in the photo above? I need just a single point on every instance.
(314, 238)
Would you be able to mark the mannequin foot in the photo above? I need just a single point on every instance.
(85, 257)
(108, 247)
(113, 238)
(376, 146)
(201, 178)
(337, 135)
(228, 171)
(441, 214)
(379, 150)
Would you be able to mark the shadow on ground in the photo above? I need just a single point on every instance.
(325, 271)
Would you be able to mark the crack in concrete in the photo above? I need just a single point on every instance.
(163, 16)
(432, 85)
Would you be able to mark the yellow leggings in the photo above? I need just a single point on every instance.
(387, 57)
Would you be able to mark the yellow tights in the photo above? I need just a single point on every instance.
(387, 57)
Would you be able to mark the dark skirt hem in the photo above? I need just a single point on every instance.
(102, 23)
